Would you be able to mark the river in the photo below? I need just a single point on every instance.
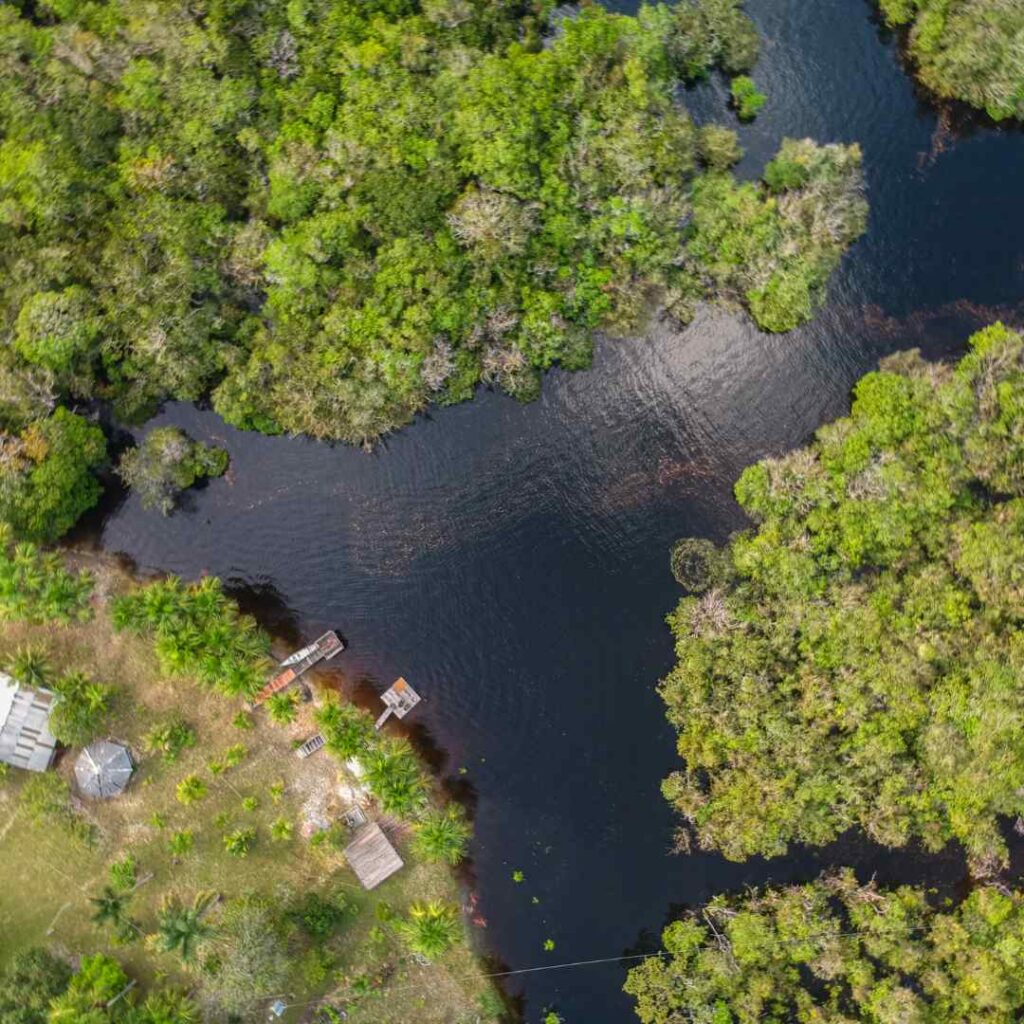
(512, 561)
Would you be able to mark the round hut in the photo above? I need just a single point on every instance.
(103, 770)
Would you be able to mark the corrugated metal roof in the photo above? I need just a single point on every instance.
(25, 738)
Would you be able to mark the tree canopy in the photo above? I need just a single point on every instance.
(836, 952)
(859, 662)
(970, 50)
(331, 213)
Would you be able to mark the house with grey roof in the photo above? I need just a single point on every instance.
(25, 738)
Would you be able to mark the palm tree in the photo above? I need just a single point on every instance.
(430, 928)
(180, 928)
(442, 835)
(29, 666)
(109, 906)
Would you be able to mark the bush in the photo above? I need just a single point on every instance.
(698, 565)
(28, 983)
(170, 739)
(81, 711)
(319, 916)
(431, 928)
(442, 835)
(347, 730)
(240, 842)
(746, 98)
(35, 587)
(718, 147)
(190, 789)
(198, 631)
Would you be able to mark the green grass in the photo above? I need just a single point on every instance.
(49, 876)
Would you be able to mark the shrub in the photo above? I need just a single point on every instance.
(181, 842)
(240, 842)
(30, 667)
(718, 147)
(35, 587)
(393, 775)
(124, 873)
(81, 710)
(747, 98)
(190, 790)
(28, 983)
(319, 916)
(442, 835)
(283, 707)
(347, 730)
(170, 739)
(430, 928)
(698, 565)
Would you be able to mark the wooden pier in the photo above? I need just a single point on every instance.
(399, 699)
(323, 649)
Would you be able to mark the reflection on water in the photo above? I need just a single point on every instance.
(511, 561)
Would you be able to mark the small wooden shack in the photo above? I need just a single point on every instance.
(372, 857)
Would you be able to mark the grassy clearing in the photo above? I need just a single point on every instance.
(50, 875)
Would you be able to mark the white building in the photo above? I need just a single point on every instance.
(25, 738)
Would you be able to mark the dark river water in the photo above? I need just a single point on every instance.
(511, 561)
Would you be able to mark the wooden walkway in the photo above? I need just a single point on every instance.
(323, 649)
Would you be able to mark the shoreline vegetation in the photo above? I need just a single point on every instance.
(329, 215)
(853, 661)
(216, 882)
(967, 50)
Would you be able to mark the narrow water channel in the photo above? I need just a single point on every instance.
(512, 561)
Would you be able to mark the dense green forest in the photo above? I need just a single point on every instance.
(970, 50)
(854, 660)
(837, 952)
(332, 213)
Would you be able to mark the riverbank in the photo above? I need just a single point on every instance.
(251, 828)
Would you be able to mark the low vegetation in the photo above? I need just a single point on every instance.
(853, 661)
(220, 871)
(967, 50)
(838, 951)
(331, 214)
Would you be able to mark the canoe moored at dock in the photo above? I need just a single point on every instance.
(323, 649)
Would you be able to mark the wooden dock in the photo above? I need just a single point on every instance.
(323, 649)
(399, 699)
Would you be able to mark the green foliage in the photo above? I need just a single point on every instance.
(430, 928)
(110, 908)
(319, 916)
(28, 982)
(967, 50)
(862, 667)
(773, 253)
(198, 631)
(81, 710)
(30, 667)
(181, 928)
(166, 463)
(282, 830)
(240, 842)
(182, 842)
(46, 799)
(35, 587)
(282, 707)
(190, 789)
(170, 738)
(249, 959)
(97, 981)
(332, 216)
(834, 950)
(394, 776)
(746, 97)
(347, 730)
(442, 835)
(46, 474)
(718, 147)
(698, 565)
(124, 873)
